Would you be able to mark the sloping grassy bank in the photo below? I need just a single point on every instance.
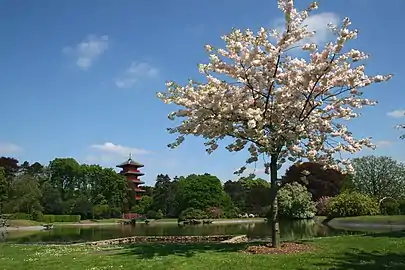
(365, 252)
(380, 220)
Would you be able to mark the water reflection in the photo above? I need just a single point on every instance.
(289, 230)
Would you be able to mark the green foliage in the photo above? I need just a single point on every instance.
(152, 214)
(37, 215)
(3, 189)
(248, 194)
(164, 196)
(295, 202)
(192, 213)
(21, 216)
(101, 211)
(25, 195)
(143, 205)
(214, 212)
(401, 207)
(350, 204)
(379, 177)
(389, 207)
(115, 212)
(200, 192)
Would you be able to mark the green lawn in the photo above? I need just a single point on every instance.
(92, 221)
(366, 252)
(398, 220)
(22, 223)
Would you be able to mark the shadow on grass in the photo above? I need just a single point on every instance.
(393, 234)
(360, 260)
(148, 251)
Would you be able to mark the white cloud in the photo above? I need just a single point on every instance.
(88, 50)
(397, 113)
(383, 143)
(119, 150)
(110, 153)
(136, 72)
(9, 148)
(318, 23)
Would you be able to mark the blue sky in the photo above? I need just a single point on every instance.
(79, 78)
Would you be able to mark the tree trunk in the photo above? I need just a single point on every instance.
(275, 232)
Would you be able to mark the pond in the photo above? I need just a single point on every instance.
(289, 230)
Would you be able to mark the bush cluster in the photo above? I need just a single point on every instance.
(152, 214)
(349, 204)
(192, 213)
(390, 207)
(295, 202)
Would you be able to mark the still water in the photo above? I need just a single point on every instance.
(289, 230)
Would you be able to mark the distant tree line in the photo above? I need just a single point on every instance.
(65, 187)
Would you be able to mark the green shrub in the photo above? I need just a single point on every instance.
(159, 214)
(152, 214)
(192, 213)
(350, 204)
(295, 202)
(214, 212)
(37, 215)
(264, 211)
(401, 207)
(116, 212)
(389, 207)
(21, 216)
(101, 211)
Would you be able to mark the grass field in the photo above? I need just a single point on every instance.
(386, 220)
(366, 252)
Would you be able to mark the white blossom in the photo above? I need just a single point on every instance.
(276, 104)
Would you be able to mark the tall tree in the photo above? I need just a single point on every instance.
(164, 196)
(200, 192)
(25, 195)
(10, 167)
(379, 176)
(318, 180)
(3, 190)
(65, 173)
(261, 96)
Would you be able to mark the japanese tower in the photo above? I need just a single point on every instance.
(130, 169)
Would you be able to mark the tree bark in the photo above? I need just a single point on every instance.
(275, 232)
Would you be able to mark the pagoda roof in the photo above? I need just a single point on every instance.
(138, 182)
(130, 162)
(133, 173)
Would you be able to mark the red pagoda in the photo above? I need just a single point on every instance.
(130, 169)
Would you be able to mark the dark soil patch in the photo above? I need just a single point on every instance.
(285, 248)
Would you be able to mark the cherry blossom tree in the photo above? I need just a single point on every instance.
(267, 100)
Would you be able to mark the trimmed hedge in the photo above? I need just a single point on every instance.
(60, 218)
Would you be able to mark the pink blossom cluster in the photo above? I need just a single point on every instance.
(272, 103)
